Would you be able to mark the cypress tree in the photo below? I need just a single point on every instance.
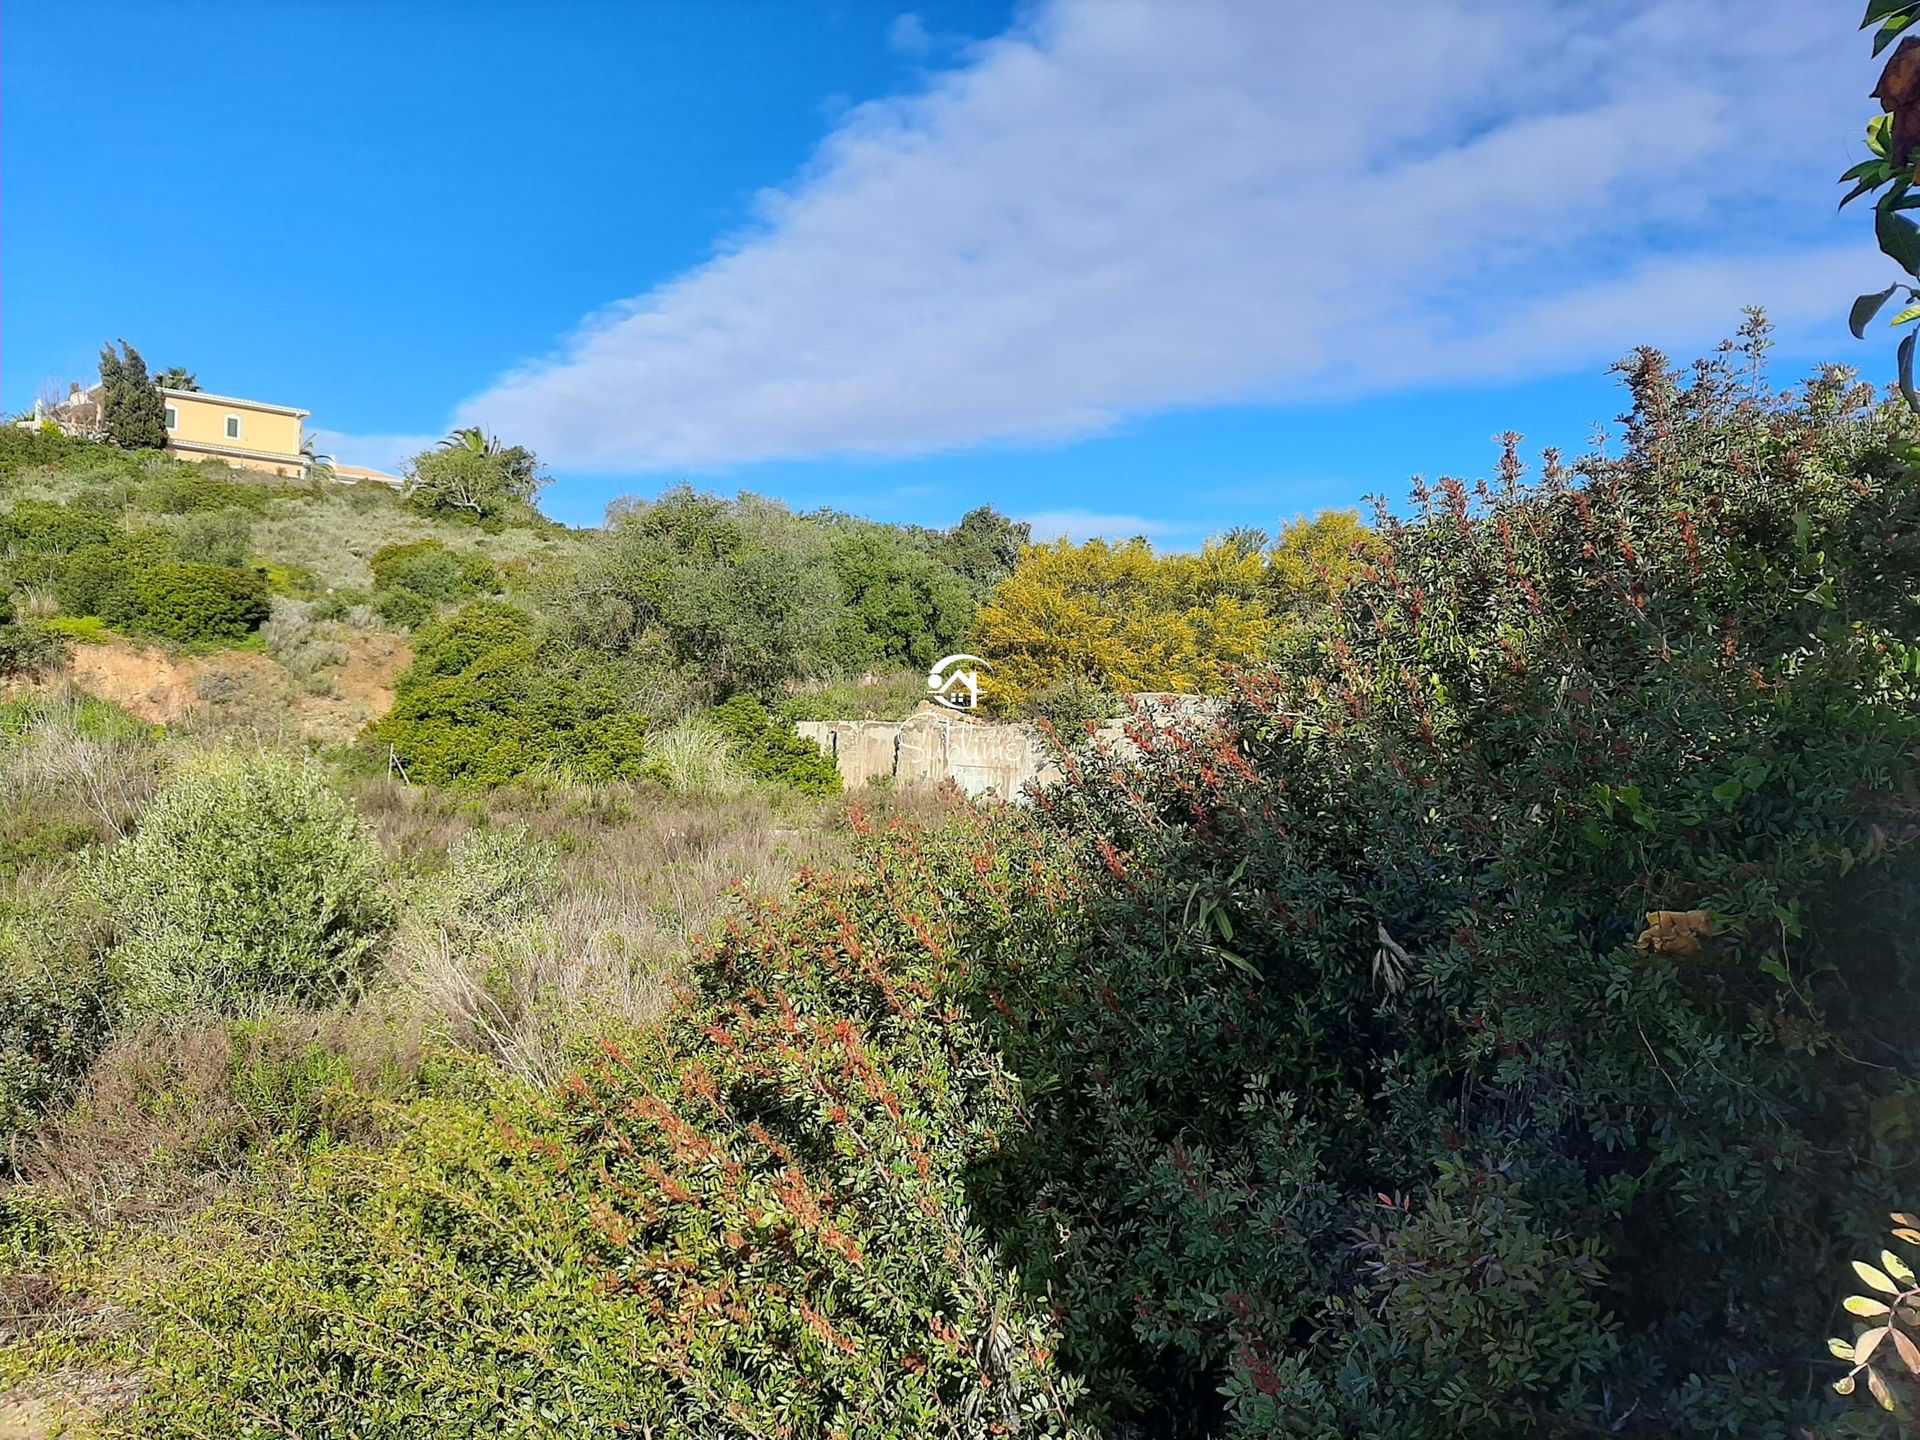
(131, 409)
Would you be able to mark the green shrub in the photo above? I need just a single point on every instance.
(1073, 704)
(509, 711)
(1508, 1027)
(93, 580)
(22, 448)
(56, 1009)
(768, 748)
(185, 491)
(27, 648)
(407, 608)
(214, 537)
(430, 569)
(449, 647)
(190, 602)
(37, 527)
(29, 838)
(413, 579)
(248, 879)
(902, 606)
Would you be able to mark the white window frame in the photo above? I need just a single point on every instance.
(233, 427)
(173, 418)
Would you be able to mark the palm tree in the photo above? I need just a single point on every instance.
(517, 464)
(317, 466)
(473, 438)
(174, 378)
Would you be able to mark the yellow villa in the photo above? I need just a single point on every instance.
(250, 433)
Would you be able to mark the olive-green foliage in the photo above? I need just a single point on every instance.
(412, 579)
(472, 476)
(434, 570)
(56, 1007)
(767, 747)
(486, 703)
(984, 548)
(93, 579)
(131, 410)
(192, 602)
(27, 648)
(739, 594)
(1073, 704)
(1509, 1027)
(23, 448)
(753, 1222)
(902, 606)
(213, 537)
(195, 490)
(36, 527)
(449, 647)
(249, 879)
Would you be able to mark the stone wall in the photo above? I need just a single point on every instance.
(980, 756)
(931, 745)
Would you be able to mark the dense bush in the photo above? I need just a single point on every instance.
(411, 580)
(56, 1008)
(752, 1223)
(248, 879)
(449, 647)
(474, 711)
(1509, 1029)
(38, 527)
(23, 447)
(431, 569)
(213, 537)
(199, 491)
(29, 649)
(1120, 618)
(191, 602)
(901, 605)
(767, 747)
(739, 595)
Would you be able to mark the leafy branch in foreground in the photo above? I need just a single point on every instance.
(1892, 1313)
(1892, 138)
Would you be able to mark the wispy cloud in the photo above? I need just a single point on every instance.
(1125, 206)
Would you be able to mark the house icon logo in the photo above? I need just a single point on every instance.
(954, 688)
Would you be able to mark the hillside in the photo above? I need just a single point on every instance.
(442, 994)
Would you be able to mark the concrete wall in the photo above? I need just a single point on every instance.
(929, 746)
(980, 756)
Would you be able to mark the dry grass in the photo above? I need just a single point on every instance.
(62, 754)
(637, 876)
(632, 878)
(169, 1113)
(333, 535)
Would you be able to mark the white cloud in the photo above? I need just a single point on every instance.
(1124, 206)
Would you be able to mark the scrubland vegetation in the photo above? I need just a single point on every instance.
(1494, 1017)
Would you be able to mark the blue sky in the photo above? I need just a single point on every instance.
(1116, 265)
